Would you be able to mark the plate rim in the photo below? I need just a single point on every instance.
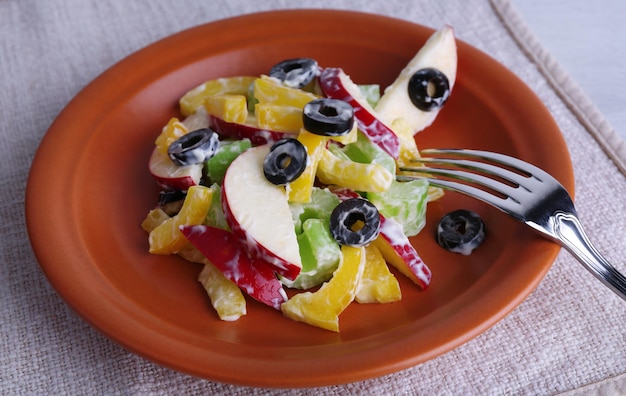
(47, 263)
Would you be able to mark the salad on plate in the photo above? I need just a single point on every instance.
(283, 186)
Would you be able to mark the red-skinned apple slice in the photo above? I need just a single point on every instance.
(257, 212)
(170, 176)
(395, 247)
(226, 252)
(439, 52)
(238, 131)
(336, 84)
(398, 251)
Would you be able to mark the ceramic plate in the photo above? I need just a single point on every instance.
(89, 190)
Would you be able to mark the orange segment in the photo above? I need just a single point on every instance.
(268, 90)
(322, 308)
(226, 297)
(228, 107)
(172, 131)
(278, 118)
(195, 97)
(167, 238)
(378, 284)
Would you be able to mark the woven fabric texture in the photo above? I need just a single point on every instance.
(568, 336)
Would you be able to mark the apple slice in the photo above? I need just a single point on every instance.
(439, 52)
(398, 251)
(170, 176)
(258, 213)
(225, 252)
(258, 136)
(197, 120)
(395, 246)
(336, 84)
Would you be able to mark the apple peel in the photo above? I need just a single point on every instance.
(226, 253)
(395, 247)
(257, 135)
(170, 176)
(266, 230)
(336, 84)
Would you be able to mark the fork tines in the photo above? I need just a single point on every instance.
(495, 178)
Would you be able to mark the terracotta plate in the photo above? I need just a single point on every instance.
(89, 189)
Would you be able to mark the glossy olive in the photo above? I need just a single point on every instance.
(295, 73)
(428, 89)
(328, 117)
(285, 162)
(194, 147)
(355, 222)
(460, 231)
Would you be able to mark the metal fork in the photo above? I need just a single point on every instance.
(524, 192)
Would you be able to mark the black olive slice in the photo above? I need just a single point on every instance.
(355, 222)
(285, 162)
(194, 147)
(460, 231)
(295, 73)
(328, 117)
(428, 89)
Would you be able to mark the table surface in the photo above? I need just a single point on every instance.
(567, 336)
(588, 41)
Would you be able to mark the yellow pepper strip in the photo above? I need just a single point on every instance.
(172, 131)
(409, 151)
(322, 308)
(353, 175)
(195, 97)
(167, 238)
(278, 118)
(154, 218)
(268, 90)
(408, 147)
(300, 189)
(226, 297)
(349, 137)
(378, 284)
(228, 107)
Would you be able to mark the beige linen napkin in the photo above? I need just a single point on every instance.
(568, 336)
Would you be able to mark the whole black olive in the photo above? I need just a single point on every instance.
(328, 117)
(460, 231)
(285, 162)
(355, 222)
(295, 73)
(194, 147)
(428, 89)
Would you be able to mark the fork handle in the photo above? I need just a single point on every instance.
(570, 233)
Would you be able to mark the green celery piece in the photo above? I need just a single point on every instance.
(405, 202)
(215, 215)
(320, 206)
(337, 150)
(320, 255)
(371, 92)
(365, 152)
(216, 166)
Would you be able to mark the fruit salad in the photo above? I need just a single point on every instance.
(282, 187)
